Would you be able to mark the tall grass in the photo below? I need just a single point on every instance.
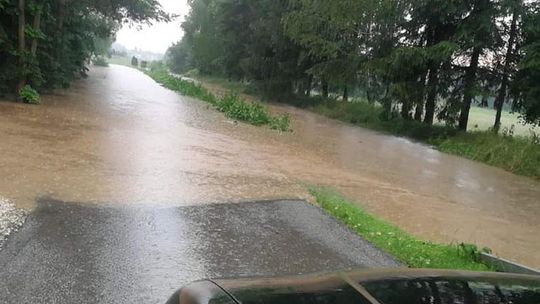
(231, 104)
(513, 153)
(405, 247)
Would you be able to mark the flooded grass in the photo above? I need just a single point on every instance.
(518, 153)
(231, 104)
(514, 153)
(405, 247)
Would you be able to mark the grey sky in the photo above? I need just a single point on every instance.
(158, 37)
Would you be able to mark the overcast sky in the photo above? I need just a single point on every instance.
(158, 37)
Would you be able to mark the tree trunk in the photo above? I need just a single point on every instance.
(22, 48)
(309, 86)
(345, 93)
(36, 25)
(484, 103)
(61, 15)
(499, 102)
(324, 88)
(419, 110)
(405, 111)
(468, 95)
(433, 83)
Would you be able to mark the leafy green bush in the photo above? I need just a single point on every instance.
(29, 95)
(100, 61)
(237, 108)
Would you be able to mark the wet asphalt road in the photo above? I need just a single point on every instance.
(80, 253)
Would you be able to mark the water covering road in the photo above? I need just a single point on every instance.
(119, 137)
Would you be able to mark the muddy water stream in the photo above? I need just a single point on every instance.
(117, 137)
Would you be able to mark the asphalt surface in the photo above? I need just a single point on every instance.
(80, 253)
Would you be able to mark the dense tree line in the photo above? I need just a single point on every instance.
(45, 44)
(421, 59)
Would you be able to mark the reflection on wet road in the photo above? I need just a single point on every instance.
(119, 137)
(69, 253)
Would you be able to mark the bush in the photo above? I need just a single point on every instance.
(29, 95)
(237, 108)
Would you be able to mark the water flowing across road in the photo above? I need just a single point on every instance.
(119, 137)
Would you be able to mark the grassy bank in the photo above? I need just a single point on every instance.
(516, 154)
(231, 104)
(406, 248)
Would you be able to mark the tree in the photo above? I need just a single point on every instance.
(22, 46)
(433, 24)
(527, 86)
(515, 7)
(47, 43)
(476, 32)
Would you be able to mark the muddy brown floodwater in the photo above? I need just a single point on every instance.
(118, 137)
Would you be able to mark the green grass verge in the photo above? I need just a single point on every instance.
(515, 154)
(231, 104)
(404, 247)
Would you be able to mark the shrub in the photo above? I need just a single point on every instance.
(237, 108)
(231, 104)
(29, 95)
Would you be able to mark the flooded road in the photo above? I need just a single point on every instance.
(119, 137)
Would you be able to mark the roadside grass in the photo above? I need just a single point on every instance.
(235, 86)
(512, 153)
(406, 248)
(231, 104)
(369, 115)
